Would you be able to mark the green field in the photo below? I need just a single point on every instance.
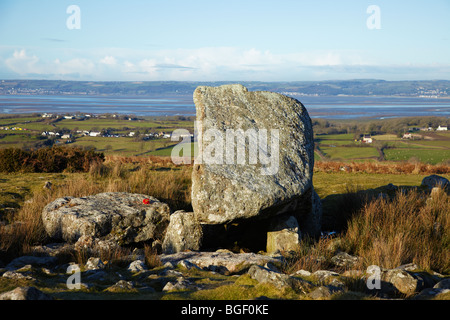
(432, 156)
(348, 153)
(430, 147)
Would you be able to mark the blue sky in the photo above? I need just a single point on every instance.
(283, 40)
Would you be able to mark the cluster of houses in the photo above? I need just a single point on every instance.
(147, 136)
(51, 115)
(410, 135)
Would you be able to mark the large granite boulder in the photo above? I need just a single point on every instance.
(255, 158)
(119, 216)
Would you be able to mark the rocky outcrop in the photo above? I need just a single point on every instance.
(229, 262)
(193, 272)
(118, 216)
(255, 160)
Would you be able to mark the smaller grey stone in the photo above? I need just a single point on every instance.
(184, 232)
(408, 267)
(16, 275)
(218, 269)
(277, 279)
(345, 260)
(443, 284)
(122, 285)
(94, 264)
(320, 293)
(435, 181)
(188, 265)
(180, 284)
(137, 266)
(302, 273)
(25, 293)
(323, 275)
(31, 260)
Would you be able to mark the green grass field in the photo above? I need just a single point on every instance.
(432, 156)
(433, 148)
(348, 153)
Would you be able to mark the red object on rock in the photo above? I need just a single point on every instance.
(146, 201)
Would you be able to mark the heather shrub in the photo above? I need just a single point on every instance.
(53, 159)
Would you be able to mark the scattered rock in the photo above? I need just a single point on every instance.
(324, 275)
(188, 265)
(408, 267)
(94, 264)
(435, 181)
(137, 266)
(234, 262)
(47, 185)
(25, 293)
(16, 275)
(344, 260)
(402, 281)
(31, 260)
(302, 273)
(443, 284)
(279, 280)
(180, 284)
(320, 293)
(279, 179)
(183, 233)
(121, 286)
(119, 215)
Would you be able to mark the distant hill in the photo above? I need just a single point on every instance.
(361, 87)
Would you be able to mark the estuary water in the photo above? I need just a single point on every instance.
(327, 107)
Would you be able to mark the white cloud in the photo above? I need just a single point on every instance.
(209, 63)
(78, 66)
(21, 63)
(109, 60)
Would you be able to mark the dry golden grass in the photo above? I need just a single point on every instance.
(382, 167)
(412, 227)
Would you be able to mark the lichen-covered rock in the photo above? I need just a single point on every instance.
(183, 233)
(284, 236)
(118, 216)
(274, 132)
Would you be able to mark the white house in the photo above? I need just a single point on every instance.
(367, 139)
(95, 134)
(407, 136)
(66, 136)
(441, 128)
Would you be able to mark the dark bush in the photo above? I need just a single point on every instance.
(54, 159)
